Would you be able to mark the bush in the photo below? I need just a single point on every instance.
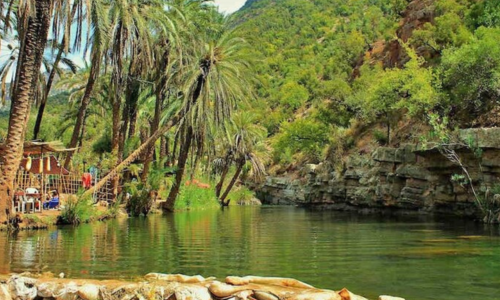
(380, 137)
(141, 201)
(77, 211)
(194, 197)
(241, 195)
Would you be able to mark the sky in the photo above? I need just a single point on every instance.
(229, 6)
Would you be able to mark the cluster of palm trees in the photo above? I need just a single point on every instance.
(163, 68)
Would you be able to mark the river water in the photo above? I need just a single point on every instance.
(412, 257)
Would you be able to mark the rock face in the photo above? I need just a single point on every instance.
(407, 178)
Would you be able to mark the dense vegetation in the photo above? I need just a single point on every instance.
(339, 75)
(164, 80)
(173, 88)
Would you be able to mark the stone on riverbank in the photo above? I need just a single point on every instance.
(383, 297)
(168, 286)
(4, 292)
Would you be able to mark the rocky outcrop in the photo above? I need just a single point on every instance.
(408, 178)
(168, 286)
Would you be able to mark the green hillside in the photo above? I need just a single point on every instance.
(329, 79)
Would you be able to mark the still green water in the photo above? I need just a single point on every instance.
(415, 258)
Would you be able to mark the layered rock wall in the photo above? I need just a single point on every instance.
(407, 178)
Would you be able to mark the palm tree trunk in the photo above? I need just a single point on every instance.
(179, 173)
(138, 152)
(50, 80)
(225, 170)
(28, 70)
(164, 150)
(233, 180)
(154, 127)
(156, 135)
(44, 16)
(94, 71)
(218, 187)
(82, 134)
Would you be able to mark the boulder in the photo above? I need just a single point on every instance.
(89, 292)
(191, 292)
(4, 292)
(261, 295)
(316, 295)
(67, 292)
(286, 282)
(177, 278)
(347, 295)
(22, 288)
(389, 298)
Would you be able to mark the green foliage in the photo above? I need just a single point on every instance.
(485, 13)
(380, 137)
(141, 200)
(193, 197)
(241, 195)
(382, 92)
(103, 144)
(292, 96)
(302, 135)
(471, 73)
(76, 211)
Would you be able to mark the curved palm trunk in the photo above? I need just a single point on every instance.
(164, 150)
(156, 135)
(50, 79)
(181, 166)
(220, 184)
(134, 155)
(150, 151)
(45, 96)
(94, 70)
(233, 180)
(27, 71)
(218, 187)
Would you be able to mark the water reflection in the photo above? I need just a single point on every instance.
(413, 257)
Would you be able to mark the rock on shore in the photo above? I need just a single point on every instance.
(168, 286)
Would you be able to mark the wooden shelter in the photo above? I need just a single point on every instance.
(40, 168)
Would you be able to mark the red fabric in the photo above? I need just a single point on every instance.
(86, 180)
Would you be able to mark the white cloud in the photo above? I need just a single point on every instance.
(229, 6)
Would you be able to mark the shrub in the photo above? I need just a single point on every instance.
(380, 137)
(241, 195)
(194, 197)
(76, 211)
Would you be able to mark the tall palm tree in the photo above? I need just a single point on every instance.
(214, 84)
(98, 41)
(246, 145)
(213, 89)
(33, 22)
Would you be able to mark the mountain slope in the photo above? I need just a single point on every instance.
(333, 72)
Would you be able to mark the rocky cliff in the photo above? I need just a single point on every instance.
(408, 178)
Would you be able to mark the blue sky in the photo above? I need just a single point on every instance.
(229, 6)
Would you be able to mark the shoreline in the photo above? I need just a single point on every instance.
(167, 286)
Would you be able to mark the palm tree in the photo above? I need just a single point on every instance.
(99, 38)
(213, 89)
(32, 26)
(246, 146)
(214, 85)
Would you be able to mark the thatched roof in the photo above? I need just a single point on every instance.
(34, 147)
